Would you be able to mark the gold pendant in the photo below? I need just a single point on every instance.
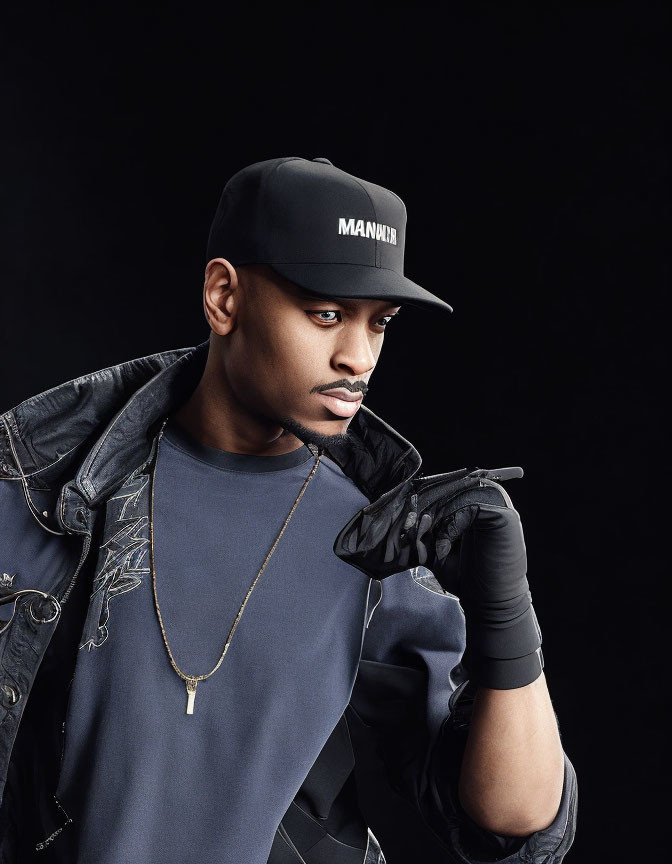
(191, 694)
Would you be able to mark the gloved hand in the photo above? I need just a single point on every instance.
(419, 522)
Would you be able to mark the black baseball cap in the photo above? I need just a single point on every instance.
(327, 231)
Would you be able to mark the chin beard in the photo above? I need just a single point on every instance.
(310, 436)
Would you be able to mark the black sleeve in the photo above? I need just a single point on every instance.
(413, 695)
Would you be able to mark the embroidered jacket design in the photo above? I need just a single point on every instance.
(7, 580)
(122, 557)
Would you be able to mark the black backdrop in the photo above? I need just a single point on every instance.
(531, 149)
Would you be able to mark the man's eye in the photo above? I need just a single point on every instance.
(326, 312)
(385, 318)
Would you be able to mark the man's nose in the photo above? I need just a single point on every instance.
(354, 352)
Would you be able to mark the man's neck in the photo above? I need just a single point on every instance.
(213, 416)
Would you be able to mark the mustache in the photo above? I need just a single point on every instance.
(347, 385)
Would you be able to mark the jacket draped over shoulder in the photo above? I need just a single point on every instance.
(392, 759)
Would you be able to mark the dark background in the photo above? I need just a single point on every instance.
(531, 149)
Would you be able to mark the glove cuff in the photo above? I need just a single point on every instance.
(504, 657)
(504, 674)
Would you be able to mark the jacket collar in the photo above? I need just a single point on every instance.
(83, 437)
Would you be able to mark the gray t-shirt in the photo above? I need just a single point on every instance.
(144, 781)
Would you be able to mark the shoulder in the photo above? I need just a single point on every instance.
(335, 480)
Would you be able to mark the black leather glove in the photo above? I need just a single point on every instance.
(419, 522)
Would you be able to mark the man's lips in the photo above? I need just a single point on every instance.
(347, 395)
(342, 402)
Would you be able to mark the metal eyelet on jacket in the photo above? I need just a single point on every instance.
(49, 603)
(9, 695)
(43, 598)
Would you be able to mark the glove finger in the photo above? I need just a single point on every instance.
(442, 548)
(463, 519)
(396, 532)
(444, 540)
(404, 557)
(423, 527)
(390, 547)
(373, 529)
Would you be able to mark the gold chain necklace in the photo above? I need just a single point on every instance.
(192, 680)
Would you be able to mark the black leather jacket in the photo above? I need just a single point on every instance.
(63, 453)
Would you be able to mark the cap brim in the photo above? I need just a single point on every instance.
(359, 281)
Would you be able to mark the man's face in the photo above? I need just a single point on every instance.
(284, 349)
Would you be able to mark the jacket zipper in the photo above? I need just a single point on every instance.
(44, 843)
(85, 551)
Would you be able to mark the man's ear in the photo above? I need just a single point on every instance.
(219, 295)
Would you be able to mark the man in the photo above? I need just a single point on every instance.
(203, 670)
